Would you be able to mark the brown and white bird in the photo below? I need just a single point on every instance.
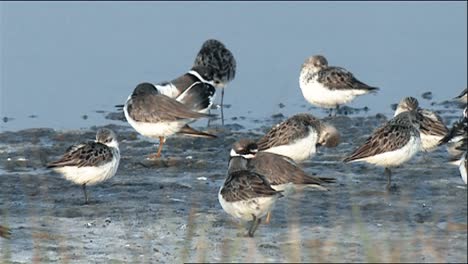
(329, 86)
(156, 115)
(282, 173)
(215, 55)
(298, 137)
(462, 97)
(432, 129)
(245, 194)
(90, 163)
(279, 170)
(392, 144)
(457, 144)
(195, 89)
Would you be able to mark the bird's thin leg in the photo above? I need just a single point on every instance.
(158, 154)
(209, 119)
(222, 107)
(85, 193)
(336, 109)
(388, 172)
(254, 225)
(268, 218)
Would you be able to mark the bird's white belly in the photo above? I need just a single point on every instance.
(155, 130)
(89, 175)
(396, 157)
(245, 210)
(317, 94)
(298, 151)
(429, 142)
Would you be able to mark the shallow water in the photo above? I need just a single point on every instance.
(63, 61)
(167, 210)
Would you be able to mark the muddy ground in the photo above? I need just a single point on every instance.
(167, 211)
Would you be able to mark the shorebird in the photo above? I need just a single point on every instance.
(156, 115)
(457, 140)
(298, 136)
(215, 55)
(281, 172)
(91, 162)
(392, 144)
(432, 129)
(462, 97)
(195, 89)
(329, 86)
(463, 163)
(245, 194)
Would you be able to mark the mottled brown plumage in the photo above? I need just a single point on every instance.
(391, 136)
(83, 155)
(244, 184)
(147, 105)
(282, 170)
(337, 78)
(215, 55)
(288, 131)
(432, 124)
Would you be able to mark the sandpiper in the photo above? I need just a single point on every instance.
(462, 97)
(194, 86)
(432, 129)
(457, 144)
(192, 89)
(281, 172)
(298, 136)
(245, 194)
(329, 86)
(392, 144)
(155, 115)
(90, 163)
(463, 163)
(215, 55)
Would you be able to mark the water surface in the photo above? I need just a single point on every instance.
(61, 61)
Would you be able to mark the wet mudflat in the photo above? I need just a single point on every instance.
(167, 210)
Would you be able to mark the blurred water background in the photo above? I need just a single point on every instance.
(65, 64)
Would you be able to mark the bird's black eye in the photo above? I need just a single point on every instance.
(217, 82)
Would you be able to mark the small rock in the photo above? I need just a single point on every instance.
(427, 95)
(442, 225)
(380, 116)
(6, 119)
(279, 115)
